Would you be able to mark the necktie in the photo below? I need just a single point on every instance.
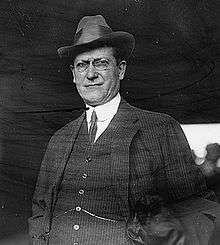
(93, 127)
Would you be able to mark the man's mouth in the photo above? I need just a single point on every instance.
(93, 85)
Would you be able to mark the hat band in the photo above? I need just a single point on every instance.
(91, 34)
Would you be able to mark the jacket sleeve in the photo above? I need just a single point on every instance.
(178, 181)
(42, 198)
(183, 177)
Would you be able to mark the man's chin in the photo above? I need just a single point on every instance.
(94, 101)
(98, 99)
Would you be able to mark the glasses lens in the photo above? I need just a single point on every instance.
(101, 65)
(81, 66)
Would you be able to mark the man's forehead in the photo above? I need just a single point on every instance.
(95, 53)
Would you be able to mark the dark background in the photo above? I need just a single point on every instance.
(174, 69)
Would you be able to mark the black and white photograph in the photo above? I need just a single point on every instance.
(109, 122)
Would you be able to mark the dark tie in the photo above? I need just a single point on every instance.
(93, 127)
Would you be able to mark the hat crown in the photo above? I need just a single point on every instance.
(91, 28)
(90, 21)
(93, 32)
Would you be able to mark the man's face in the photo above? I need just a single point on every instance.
(97, 75)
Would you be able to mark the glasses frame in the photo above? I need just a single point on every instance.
(94, 63)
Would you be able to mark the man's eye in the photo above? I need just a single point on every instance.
(101, 63)
(81, 65)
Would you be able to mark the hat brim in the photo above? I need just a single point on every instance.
(122, 40)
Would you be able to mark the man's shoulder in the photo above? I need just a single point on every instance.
(152, 117)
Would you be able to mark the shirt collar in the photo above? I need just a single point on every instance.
(105, 111)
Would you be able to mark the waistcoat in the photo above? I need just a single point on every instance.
(88, 208)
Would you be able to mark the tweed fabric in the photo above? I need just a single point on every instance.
(89, 167)
(92, 161)
(92, 231)
(149, 154)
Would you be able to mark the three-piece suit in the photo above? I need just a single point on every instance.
(85, 194)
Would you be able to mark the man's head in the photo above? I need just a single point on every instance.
(97, 59)
(97, 75)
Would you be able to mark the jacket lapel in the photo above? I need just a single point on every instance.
(67, 140)
(124, 126)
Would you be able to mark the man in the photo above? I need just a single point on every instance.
(99, 166)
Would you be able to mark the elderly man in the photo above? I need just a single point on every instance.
(97, 167)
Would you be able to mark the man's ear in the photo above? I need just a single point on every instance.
(72, 70)
(122, 68)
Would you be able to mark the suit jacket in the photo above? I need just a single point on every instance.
(149, 155)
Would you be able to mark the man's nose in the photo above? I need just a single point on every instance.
(91, 72)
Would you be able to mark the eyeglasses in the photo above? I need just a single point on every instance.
(98, 64)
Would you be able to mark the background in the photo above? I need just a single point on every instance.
(174, 69)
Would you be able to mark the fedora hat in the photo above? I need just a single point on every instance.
(93, 32)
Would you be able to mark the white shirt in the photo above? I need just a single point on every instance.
(104, 113)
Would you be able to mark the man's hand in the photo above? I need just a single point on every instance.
(213, 152)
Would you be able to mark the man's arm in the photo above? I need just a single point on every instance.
(42, 195)
(184, 178)
(178, 181)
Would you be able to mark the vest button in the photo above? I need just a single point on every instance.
(84, 176)
(78, 209)
(88, 159)
(76, 227)
(81, 192)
